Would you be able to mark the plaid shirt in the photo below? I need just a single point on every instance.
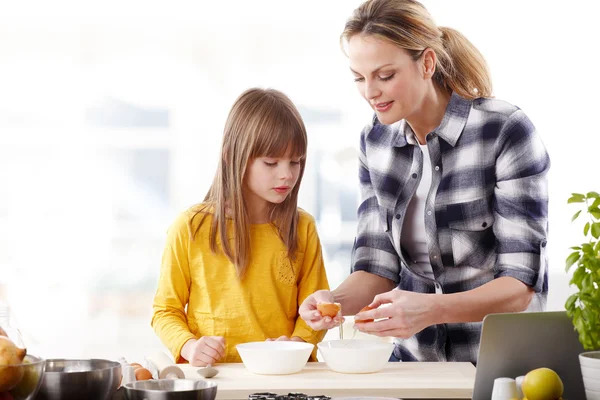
(486, 212)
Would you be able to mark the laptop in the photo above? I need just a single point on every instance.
(513, 344)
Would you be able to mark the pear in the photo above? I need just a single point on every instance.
(11, 356)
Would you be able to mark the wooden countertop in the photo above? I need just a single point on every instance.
(410, 380)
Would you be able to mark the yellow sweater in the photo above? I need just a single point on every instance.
(264, 304)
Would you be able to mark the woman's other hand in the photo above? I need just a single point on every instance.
(407, 314)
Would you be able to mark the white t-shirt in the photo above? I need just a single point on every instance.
(413, 238)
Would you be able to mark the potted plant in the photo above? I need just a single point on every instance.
(583, 306)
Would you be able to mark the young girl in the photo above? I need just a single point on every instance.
(236, 267)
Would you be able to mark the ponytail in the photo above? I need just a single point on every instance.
(465, 71)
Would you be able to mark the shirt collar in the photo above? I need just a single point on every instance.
(455, 119)
(450, 129)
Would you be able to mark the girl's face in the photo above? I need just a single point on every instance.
(270, 180)
(387, 77)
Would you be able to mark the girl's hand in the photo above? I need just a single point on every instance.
(313, 318)
(287, 339)
(204, 351)
(407, 314)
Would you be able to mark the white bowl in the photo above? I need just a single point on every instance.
(356, 356)
(274, 358)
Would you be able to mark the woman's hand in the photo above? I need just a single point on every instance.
(287, 339)
(407, 314)
(204, 351)
(313, 318)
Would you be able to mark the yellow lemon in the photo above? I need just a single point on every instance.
(542, 384)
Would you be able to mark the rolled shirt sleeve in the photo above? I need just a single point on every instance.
(373, 251)
(521, 203)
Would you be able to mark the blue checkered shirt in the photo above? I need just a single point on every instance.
(486, 213)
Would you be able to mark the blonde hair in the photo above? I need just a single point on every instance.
(261, 123)
(407, 24)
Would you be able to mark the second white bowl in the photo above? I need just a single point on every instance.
(356, 356)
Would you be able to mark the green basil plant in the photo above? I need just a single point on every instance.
(583, 307)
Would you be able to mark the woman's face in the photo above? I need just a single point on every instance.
(387, 77)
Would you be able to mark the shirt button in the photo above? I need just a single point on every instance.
(428, 212)
(543, 243)
(414, 176)
(437, 167)
(435, 257)
(397, 216)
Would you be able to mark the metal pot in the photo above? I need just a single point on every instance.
(93, 379)
(171, 389)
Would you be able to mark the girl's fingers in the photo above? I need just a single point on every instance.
(217, 343)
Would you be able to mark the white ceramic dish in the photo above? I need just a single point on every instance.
(356, 356)
(274, 358)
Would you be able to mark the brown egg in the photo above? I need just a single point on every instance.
(366, 308)
(142, 374)
(136, 366)
(329, 309)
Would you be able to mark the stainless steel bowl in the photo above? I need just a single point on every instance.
(171, 389)
(29, 374)
(80, 379)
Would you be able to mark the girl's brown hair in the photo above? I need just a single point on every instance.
(261, 123)
(407, 23)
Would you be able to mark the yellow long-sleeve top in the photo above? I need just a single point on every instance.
(263, 304)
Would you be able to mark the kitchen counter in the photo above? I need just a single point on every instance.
(412, 380)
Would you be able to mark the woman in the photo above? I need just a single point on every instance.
(453, 186)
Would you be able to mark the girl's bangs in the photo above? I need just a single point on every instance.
(279, 135)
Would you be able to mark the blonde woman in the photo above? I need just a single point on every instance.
(236, 267)
(454, 191)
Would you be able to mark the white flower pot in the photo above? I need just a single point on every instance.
(590, 370)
